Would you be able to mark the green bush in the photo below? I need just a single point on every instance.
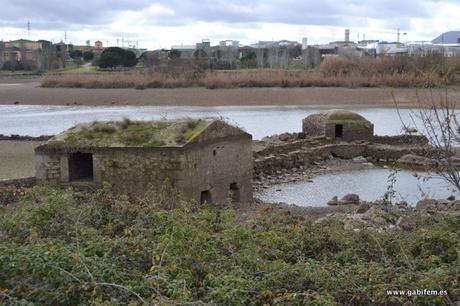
(88, 56)
(71, 248)
(117, 57)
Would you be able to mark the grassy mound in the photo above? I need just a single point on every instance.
(71, 248)
(133, 133)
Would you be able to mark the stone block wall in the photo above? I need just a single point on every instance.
(402, 140)
(222, 168)
(352, 130)
(314, 125)
(216, 167)
(134, 171)
(49, 168)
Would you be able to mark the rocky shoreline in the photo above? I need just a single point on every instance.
(25, 137)
(308, 172)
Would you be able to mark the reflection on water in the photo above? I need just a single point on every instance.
(369, 184)
(260, 121)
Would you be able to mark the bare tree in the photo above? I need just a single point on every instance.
(437, 113)
(260, 58)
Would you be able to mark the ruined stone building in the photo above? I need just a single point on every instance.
(38, 55)
(338, 125)
(206, 160)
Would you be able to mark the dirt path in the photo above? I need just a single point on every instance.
(30, 93)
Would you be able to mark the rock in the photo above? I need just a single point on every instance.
(415, 160)
(405, 223)
(426, 204)
(379, 220)
(451, 198)
(284, 137)
(410, 130)
(370, 213)
(363, 208)
(402, 205)
(334, 201)
(359, 159)
(350, 198)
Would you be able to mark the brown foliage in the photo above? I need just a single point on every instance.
(401, 71)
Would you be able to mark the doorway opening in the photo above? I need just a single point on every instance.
(81, 167)
(338, 130)
(205, 197)
(234, 193)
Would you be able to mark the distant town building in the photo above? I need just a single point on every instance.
(229, 43)
(98, 45)
(205, 44)
(38, 55)
(269, 44)
(186, 51)
(304, 43)
(451, 37)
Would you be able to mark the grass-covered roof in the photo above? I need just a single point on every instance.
(129, 133)
(340, 114)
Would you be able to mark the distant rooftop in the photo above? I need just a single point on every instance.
(451, 37)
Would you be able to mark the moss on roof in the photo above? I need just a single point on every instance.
(338, 114)
(129, 133)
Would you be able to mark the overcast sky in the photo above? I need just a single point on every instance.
(160, 24)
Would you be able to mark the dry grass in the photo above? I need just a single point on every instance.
(333, 72)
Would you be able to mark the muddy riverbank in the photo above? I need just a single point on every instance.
(17, 158)
(29, 92)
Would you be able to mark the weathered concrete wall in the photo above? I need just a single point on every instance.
(215, 167)
(50, 167)
(314, 125)
(321, 125)
(298, 153)
(352, 130)
(402, 140)
(134, 172)
(294, 159)
(212, 166)
(381, 152)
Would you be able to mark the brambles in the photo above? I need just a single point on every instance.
(66, 247)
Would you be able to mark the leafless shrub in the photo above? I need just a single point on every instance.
(437, 113)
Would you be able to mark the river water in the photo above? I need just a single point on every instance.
(259, 121)
(370, 184)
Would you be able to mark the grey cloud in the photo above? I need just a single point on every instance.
(47, 14)
(52, 14)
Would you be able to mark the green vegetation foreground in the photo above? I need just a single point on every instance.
(71, 248)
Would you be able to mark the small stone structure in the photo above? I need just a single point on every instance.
(206, 160)
(338, 125)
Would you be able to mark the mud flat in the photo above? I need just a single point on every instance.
(29, 92)
(17, 158)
